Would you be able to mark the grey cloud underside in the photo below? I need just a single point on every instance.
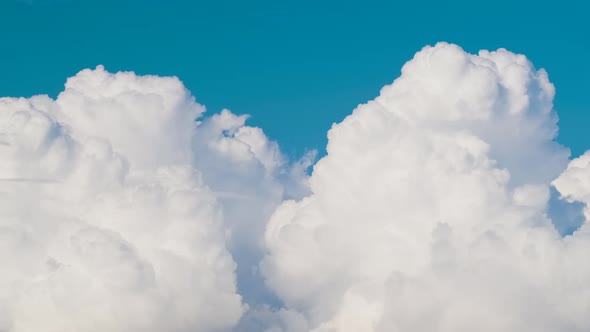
(445, 204)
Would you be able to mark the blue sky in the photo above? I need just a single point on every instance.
(295, 66)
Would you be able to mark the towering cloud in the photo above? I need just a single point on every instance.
(429, 211)
(124, 208)
(106, 224)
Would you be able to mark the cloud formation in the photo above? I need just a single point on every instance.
(107, 224)
(429, 212)
(124, 208)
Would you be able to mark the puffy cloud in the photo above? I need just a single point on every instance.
(123, 209)
(148, 119)
(105, 223)
(574, 183)
(429, 212)
(442, 205)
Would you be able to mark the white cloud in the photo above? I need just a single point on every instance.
(124, 235)
(429, 211)
(124, 209)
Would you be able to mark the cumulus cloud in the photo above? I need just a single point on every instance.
(429, 212)
(445, 204)
(108, 218)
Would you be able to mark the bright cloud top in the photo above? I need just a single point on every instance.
(124, 209)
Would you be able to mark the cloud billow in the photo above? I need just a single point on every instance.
(429, 212)
(125, 209)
